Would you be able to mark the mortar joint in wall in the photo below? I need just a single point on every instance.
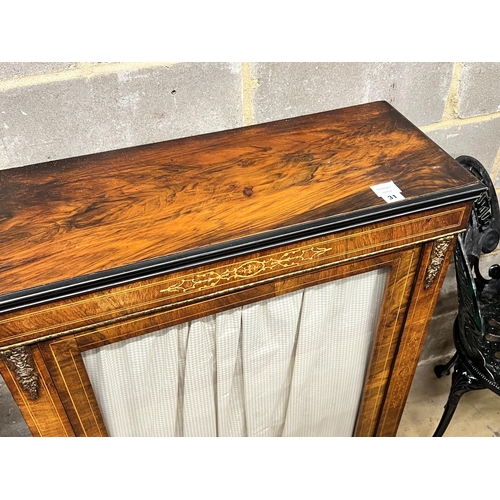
(452, 106)
(447, 123)
(249, 85)
(78, 70)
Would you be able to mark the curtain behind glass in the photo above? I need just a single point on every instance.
(293, 365)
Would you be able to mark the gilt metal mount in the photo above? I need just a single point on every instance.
(20, 361)
(438, 253)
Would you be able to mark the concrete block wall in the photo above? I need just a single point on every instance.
(56, 110)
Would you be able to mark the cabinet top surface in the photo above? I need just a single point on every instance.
(87, 215)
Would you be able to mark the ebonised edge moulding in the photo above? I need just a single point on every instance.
(270, 280)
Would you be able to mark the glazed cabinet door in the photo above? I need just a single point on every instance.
(305, 355)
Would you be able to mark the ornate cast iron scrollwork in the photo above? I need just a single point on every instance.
(20, 361)
(476, 330)
(438, 253)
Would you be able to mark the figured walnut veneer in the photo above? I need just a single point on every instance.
(69, 218)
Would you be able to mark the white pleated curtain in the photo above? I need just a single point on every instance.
(293, 365)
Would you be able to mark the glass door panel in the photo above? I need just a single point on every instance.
(291, 365)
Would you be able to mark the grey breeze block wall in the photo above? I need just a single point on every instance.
(56, 110)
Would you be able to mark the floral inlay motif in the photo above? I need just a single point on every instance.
(245, 270)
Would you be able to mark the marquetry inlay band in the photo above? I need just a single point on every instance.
(244, 270)
(328, 250)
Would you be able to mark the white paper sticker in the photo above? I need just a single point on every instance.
(388, 191)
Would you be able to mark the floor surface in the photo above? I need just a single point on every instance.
(12, 423)
(477, 414)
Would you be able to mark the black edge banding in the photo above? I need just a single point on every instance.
(234, 248)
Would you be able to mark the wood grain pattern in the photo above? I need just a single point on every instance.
(70, 218)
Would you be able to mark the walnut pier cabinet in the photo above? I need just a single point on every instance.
(272, 280)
